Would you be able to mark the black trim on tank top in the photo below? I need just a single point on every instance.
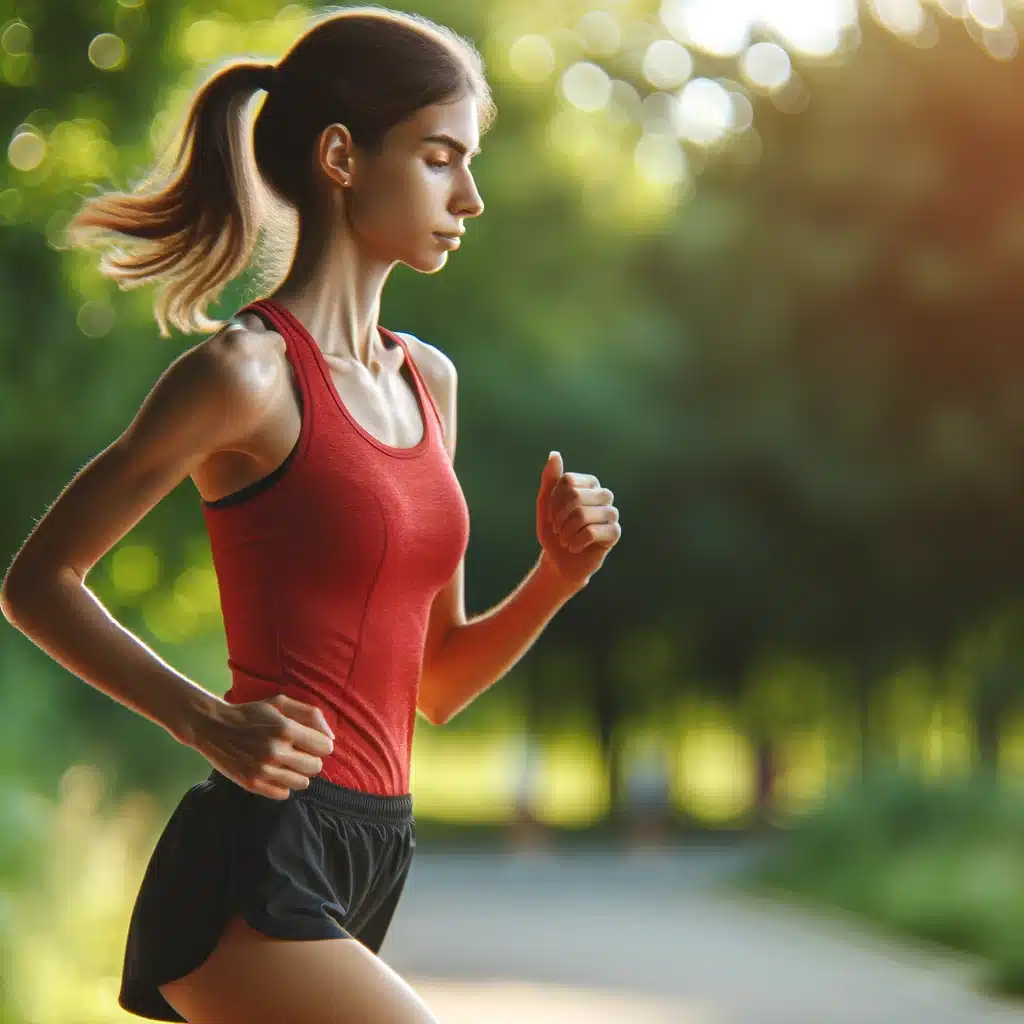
(257, 486)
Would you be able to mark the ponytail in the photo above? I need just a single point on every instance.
(199, 229)
(367, 67)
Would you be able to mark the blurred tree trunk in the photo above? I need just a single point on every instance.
(767, 772)
(865, 738)
(609, 713)
(989, 706)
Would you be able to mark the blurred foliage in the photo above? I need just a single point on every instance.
(940, 861)
(758, 277)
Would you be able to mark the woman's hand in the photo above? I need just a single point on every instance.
(577, 524)
(268, 747)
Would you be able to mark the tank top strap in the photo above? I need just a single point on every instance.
(426, 398)
(278, 318)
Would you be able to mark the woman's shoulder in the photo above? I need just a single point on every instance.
(244, 354)
(439, 375)
(240, 370)
(437, 368)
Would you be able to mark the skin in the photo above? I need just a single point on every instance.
(225, 414)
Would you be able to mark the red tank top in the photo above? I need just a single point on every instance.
(327, 569)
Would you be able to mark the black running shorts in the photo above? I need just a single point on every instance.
(328, 862)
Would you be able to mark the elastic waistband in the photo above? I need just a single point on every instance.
(396, 809)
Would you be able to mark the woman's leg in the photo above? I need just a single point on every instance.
(252, 979)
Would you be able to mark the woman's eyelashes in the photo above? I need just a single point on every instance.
(437, 165)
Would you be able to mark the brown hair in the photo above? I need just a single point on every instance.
(369, 68)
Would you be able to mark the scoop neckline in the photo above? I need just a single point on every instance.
(325, 370)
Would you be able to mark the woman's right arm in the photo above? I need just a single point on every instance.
(208, 399)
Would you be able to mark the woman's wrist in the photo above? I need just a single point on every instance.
(553, 580)
(192, 714)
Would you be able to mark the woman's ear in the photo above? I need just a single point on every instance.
(335, 154)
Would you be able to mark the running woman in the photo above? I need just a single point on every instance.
(322, 447)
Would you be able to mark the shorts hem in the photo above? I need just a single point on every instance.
(273, 930)
(141, 995)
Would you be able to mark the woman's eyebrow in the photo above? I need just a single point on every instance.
(448, 140)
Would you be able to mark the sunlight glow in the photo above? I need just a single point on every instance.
(901, 17)
(704, 112)
(721, 29)
(814, 27)
(987, 13)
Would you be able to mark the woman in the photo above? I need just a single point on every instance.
(321, 445)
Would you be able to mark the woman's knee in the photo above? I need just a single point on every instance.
(252, 979)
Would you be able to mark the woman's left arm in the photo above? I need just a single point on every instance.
(577, 525)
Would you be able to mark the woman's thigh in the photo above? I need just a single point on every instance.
(252, 979)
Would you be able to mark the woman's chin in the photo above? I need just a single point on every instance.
(428, 263)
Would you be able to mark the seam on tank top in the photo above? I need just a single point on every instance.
(371, 591)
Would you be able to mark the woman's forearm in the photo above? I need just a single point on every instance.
(478, 654)
(64, 618)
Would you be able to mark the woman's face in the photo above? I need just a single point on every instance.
(418, 185)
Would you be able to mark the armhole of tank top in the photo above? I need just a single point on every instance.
(421, 382)
(265, 483)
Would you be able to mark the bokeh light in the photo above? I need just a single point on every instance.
(625, 105)
(108, 52)
(987, 13)
(532, 58)
(743, 111)
(134, 569)
(704, 112)
(16, 37)
(767, 66)
(1002, 43)
(902, 17)
(658, 112)
(26, 151)
(660, 160)
(600, 33)
(720, 29)
(586, 86)
(667, 64)
(96, 318)
(814, 28)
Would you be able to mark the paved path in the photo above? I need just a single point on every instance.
(650, 938)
